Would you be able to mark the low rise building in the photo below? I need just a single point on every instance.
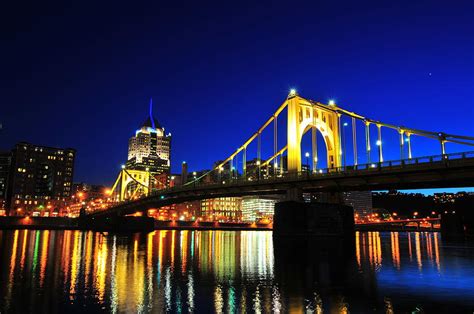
(255, 208)
(221, 209)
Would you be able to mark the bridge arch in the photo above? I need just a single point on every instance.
(303, 116)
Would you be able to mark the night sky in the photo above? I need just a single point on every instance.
(82, 76)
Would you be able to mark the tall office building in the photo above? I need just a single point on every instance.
(150, 147)
(40, 179)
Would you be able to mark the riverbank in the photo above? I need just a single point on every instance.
(42, 223)
(394, 228)
(63, 223)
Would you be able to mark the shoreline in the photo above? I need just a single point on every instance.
(63, 223)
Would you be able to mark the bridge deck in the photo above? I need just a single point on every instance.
(454, 170)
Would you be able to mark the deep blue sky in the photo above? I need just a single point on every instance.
(81, 76)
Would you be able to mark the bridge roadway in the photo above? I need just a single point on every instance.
(453, 170)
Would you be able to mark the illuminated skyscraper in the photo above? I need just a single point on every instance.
(150, 147)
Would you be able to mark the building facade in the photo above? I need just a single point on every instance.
(149, 149)
(221, 209)
(40, 180)
(5, 166)
(255, 208)
(361, 201)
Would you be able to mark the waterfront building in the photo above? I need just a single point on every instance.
(361, 201)
(161, 181)
(89, 191)
(149, 148)
(443, 198)
(222, 209)
(40, 180)
(5, 165)
(258, 207)
(176, 180)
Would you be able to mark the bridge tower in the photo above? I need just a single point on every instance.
(126, 177)
(304, 116)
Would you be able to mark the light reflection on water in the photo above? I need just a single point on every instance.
(228, 271)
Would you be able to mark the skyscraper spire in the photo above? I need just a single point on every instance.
(150, 121)
(151, 113)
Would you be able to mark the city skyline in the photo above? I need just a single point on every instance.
(216, 156)
(223, 88)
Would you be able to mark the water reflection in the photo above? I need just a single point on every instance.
(224, 271)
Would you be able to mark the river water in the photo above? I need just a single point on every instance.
(232, 271)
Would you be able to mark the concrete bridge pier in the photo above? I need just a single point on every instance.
(457, 220)
(293, 217)
(452, 226)
(304, 265)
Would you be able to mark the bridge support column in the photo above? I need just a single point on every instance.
(452, 226)
(298, 219)
(294, 194)
(458, 221)
(310, 264)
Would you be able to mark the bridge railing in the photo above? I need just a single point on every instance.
(374, 167)
(367, 167)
